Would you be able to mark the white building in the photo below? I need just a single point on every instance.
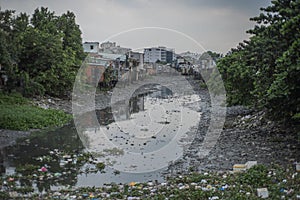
(91, 47)
(154, 54)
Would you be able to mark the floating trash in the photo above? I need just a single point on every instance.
(43, 169)
(262, 193)
(132, 184)
(239, 167)
(298, 167)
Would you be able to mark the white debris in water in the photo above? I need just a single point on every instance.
(156, 135)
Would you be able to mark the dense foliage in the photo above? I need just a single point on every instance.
(265, 70)
(17, 113)
(40, 54)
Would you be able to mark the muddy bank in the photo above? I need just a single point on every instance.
(247, 136)
(54, 103)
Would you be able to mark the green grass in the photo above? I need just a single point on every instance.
(13, 99)
(17, 113)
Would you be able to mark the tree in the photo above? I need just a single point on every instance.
(41, 53)
(6, 20)
(72, 35)
(44, 20)
(40, 58)
(6, 61)
(264, 71)
(214, 55)
(5, 56)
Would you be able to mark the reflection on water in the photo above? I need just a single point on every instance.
(123, 109)
(151, 130)
(24, 155)
(141, 126)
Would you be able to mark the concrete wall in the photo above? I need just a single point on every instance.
(91, 47)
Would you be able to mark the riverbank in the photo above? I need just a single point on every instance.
(247, 135)
(20, 116)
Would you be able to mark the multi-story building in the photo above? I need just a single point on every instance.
(154, 54)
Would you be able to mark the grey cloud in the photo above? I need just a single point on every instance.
(249, 6)
(217, 24)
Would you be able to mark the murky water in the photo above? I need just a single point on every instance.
(136, 140)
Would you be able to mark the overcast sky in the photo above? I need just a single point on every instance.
(193, 25)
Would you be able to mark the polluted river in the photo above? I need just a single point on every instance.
(130, 140)
(146, 131)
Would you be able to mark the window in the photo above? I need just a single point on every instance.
(92, 47)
